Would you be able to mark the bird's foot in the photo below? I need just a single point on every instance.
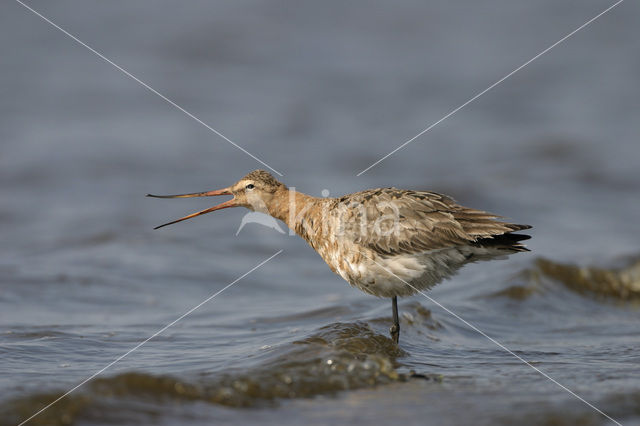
(395, 333)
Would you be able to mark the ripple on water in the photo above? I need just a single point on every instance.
(337, 357)
(619, 283)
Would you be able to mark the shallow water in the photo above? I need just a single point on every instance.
(318, 91)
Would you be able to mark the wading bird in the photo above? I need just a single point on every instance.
(387, 242)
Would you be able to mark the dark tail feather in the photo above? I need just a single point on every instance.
(507, 241)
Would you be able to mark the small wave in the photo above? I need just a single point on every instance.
(517, 292)
(621, 283)
(337, 357)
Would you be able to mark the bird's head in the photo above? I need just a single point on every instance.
(255, 191)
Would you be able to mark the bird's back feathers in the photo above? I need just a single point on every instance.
(393, 221)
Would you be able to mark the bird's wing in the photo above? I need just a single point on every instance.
(393, 221)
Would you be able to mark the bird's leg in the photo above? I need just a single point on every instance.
(395, 328)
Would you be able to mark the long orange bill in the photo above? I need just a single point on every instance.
(226, 204)
(224, 191)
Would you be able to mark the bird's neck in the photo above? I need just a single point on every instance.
(301, 212)
(290, 206)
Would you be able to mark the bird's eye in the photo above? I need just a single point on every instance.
(249, 186)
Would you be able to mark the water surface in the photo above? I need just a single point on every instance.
(319, 91)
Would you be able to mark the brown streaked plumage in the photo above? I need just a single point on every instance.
(387, 242)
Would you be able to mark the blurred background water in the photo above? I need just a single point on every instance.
(319, 91)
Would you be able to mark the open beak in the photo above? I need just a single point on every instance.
(226, 204)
